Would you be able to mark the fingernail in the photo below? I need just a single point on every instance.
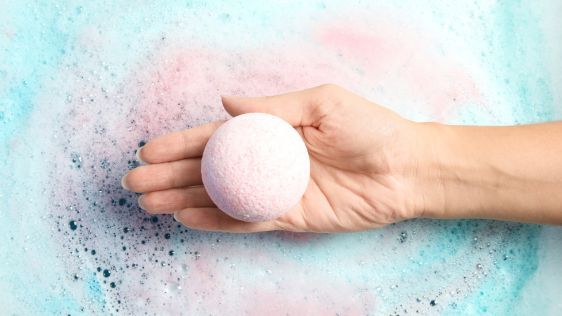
(176, 217)
(138, 155)
(123, 183)
(139, 201)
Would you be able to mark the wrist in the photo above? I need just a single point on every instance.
(429, 150)
(506, 173)
(450, 181)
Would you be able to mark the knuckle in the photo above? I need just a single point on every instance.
(171, 174)
(329, 88)
(279, 224)
(329, 95)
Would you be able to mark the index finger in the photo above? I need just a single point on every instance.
(188, 143)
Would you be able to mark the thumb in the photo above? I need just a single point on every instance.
(299, 108)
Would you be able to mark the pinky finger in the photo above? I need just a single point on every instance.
(213, 219)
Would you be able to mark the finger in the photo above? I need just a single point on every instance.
(162, 176)
(184, 144)
(213, 219)
(173, 200)
(300, 108)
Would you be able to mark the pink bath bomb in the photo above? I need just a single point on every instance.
(255, 167)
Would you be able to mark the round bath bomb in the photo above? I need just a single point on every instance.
(255, 167)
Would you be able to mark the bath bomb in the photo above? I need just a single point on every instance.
(255, 167)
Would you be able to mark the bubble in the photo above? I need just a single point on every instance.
(403, 237)
(172, 287)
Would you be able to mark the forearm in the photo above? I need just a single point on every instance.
(507, 173)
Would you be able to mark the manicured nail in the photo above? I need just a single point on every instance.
(138, 155)
(139, 201)
(123, 183)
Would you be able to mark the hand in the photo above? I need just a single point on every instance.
(362, 159)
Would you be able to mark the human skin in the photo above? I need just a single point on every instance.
(369, 168)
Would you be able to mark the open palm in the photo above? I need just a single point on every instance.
(361, 159)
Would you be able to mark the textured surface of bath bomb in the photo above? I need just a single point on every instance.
(255, 167)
